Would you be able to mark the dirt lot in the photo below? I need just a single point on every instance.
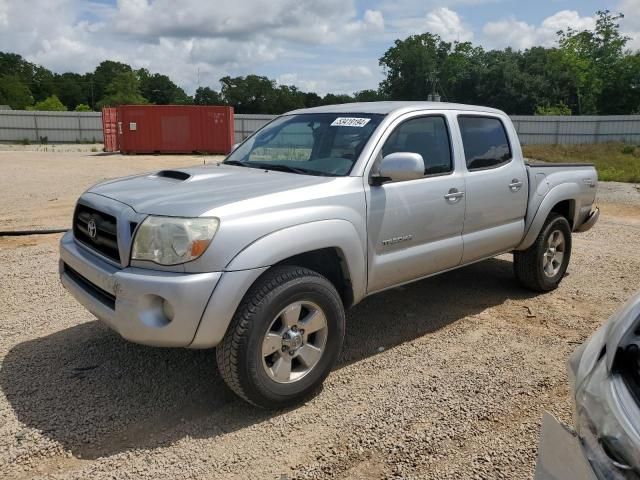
(446, 378)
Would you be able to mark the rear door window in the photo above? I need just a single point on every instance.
(485, 142)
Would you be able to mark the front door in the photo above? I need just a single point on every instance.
(414, 227)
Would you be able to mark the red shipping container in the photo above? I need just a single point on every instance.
(109, 129)
(175, 129)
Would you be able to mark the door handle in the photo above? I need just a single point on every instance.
(515, 185)
(454, 195)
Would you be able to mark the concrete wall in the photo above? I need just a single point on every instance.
(16, 125)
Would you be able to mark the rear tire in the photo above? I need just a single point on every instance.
(284, 338)
(542, 266)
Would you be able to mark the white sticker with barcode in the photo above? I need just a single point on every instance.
(350, 122)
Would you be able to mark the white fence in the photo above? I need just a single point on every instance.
(69, 127)
(52, 127)
(583, 129)
(246, 124)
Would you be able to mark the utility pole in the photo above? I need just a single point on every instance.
(93, 103)
(434, 96)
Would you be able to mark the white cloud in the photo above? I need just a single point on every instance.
(333, 79)
(630, 24)
(519, 34)
(449, 25)
(178, 39)
(441, 21)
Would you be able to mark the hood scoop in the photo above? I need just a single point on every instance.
(176, 175)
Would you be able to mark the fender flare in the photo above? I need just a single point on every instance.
(255, 259)
(556, 195)
(282, 244)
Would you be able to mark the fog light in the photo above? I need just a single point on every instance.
(155, 311)
(167, 309)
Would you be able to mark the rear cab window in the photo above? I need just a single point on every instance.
(485, 142)
(428, 136)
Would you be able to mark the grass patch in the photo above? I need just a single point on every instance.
(615, 162)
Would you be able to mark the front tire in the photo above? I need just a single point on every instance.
(542, 266)
(284, 338)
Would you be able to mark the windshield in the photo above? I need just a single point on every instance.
(313, 144)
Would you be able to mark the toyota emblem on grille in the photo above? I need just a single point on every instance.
(92, 228)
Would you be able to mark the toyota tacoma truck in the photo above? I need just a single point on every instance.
(261, 254)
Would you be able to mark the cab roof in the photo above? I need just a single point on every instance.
(389, 107)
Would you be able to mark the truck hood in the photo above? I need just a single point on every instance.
(191, 192)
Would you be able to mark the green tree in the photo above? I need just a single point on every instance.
(250, 94)
(288, 98)
(159, 89)
(207, 96)
(411, 64)
(104, 75)
(368, 96)
(312, 99)
(83, 107)
(557, 109)
(593, 58)
(71, 89)
(49, 104)
(14, 93)
(333, 99)
(124, 89)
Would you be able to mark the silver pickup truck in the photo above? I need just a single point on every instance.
(260, 255)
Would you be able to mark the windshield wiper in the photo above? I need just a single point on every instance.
(235, 162)
(286, 168)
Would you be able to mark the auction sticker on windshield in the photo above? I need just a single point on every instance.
(350, 122)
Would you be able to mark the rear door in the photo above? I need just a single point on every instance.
(414, 227)
(496, 186)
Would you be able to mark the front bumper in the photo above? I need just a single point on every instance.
(144, 306)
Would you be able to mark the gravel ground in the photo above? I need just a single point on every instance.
(39, 189)
(446, 378)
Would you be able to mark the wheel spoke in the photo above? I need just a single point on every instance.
(282, 368)
(313, 322)
(548, 268)
(309, 355)
(288, 337)
(272, 343)
(291, 315)
(558, 257)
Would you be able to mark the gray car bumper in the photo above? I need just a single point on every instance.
(560, 454)
(144, 306)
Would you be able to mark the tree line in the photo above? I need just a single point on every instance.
(588, 72)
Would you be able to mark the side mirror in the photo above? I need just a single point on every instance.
(399, 166)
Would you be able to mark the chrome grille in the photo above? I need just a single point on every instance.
(97, 230)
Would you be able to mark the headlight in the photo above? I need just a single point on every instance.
(171, 241)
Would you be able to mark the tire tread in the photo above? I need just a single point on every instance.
(526, 263)
(237, 333)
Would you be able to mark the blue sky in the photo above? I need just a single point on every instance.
(324, 46)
